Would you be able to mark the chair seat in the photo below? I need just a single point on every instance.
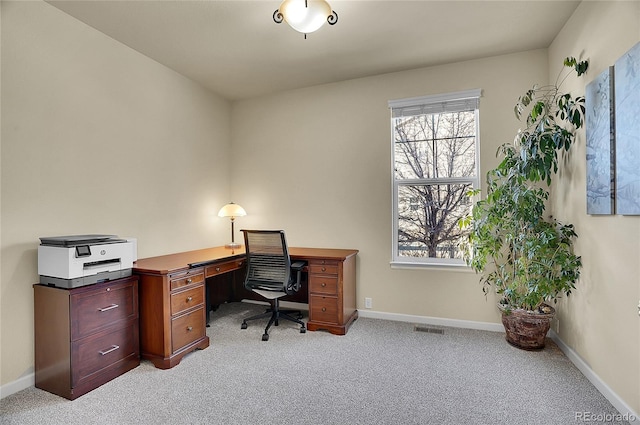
(270, 295)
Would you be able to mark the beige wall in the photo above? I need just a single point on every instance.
(600, 320)
(97, 138)
(317, 161)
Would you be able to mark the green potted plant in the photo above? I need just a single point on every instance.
(522, 254)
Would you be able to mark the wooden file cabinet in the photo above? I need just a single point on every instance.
(332, 294)
(85, 336)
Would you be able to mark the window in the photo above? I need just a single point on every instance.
(435, 164)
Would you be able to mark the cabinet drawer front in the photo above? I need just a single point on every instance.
(106, 304)
(331, 269)
(323, 309)
(185, 300)
(186, 279)
(93, 354)
(319, 284)
(322, 262)
(187, 328)
(216, 269)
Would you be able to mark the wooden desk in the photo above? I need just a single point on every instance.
(173, 305)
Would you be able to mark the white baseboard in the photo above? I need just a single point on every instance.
(597, 382)
(19, 384)
(437, 321)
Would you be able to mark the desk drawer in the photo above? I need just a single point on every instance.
(185, 279)
(184, 300)
(323, 267)
(96, 353)
(215, 269)
(319, 284)
(187, 328)
(323, 309)
(102, 306)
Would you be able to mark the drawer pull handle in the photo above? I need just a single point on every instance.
(189, 299)
(188, 281)
(324, 309)
(189, 328)
(217, 269)
(323, 284)
(324, 269)
(111, 307)
(105, 352)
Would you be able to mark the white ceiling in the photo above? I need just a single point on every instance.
(235, 48)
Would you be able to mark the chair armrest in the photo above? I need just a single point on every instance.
(298, 265)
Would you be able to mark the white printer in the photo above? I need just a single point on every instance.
(72, 261)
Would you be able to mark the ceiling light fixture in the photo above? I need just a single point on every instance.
(305, 16)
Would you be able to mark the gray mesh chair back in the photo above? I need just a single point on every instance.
(268, 263)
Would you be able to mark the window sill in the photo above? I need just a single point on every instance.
(445, 267)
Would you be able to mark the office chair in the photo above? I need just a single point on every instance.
(269, 275)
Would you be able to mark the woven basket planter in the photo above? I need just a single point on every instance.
(526, 329)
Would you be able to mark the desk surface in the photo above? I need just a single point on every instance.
(171, 263)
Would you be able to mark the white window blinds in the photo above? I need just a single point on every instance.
(451, 102)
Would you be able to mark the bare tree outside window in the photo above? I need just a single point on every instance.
(435, 166)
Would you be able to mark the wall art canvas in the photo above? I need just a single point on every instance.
(627, 110)
(599, 98)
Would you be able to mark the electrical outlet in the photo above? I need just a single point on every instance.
(367, 303)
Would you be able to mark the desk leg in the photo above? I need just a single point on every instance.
(207, 301)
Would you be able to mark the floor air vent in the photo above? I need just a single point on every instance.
(429, 330)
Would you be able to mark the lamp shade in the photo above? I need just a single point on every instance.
(305, 16)
(232, 210)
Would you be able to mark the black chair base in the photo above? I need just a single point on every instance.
(275, 314)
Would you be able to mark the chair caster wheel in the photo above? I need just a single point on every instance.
(265, 337)
(303, 330)
(244, 325)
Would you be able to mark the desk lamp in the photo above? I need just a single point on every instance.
(232, 210)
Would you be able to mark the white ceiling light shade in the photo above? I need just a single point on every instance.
(305, 16)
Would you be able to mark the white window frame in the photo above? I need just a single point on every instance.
(447, 102)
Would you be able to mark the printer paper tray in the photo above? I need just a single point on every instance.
(85, 280)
